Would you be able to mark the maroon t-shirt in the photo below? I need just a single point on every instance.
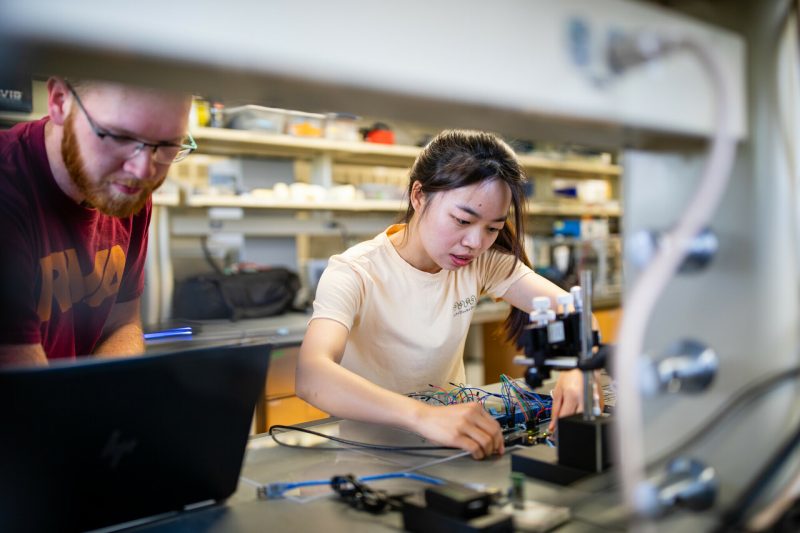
(62, 266)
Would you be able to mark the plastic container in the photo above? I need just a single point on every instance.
(379, 133)
(200, 114)
(567, 228)
(342, 127)
(217, 115)
(301, 124)
(254, 117)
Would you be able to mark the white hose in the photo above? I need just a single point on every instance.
(652, 281)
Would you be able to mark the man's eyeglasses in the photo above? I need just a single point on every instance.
(125, 147)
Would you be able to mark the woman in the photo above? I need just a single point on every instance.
(391, 314)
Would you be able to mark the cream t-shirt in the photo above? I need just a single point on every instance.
(407, 327)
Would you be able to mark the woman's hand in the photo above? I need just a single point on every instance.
(568, 396)
(467, 426)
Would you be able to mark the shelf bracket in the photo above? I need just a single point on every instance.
(322, 170)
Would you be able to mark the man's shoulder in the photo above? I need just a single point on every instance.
(12, 147)
(20, 136)
(14, 183)
(143, 215)
(17, 150)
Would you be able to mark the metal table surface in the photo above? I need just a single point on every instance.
(594, 504)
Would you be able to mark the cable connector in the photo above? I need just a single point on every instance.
(273, 491)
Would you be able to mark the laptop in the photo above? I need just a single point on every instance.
(93, 443)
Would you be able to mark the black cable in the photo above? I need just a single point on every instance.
(425, 397)
(605, 481)
(728, 409)
(733, 516)
(335, 224)
(207, 256)
(350, 443)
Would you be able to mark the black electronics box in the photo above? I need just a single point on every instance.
(417, 517)
(457, 501)
(583, 444)
(453, 508)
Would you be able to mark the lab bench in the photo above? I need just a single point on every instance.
(316, 509)
(485, 349)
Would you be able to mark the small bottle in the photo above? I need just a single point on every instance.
(217, 115)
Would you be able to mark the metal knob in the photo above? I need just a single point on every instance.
(687, 366)
(686, 483)
(642, 246)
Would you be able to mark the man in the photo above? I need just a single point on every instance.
(75, 206)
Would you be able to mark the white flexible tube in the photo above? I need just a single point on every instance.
(652, 281)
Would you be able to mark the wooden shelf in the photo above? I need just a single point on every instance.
(576, 167)
(610, 209)
(168, 198)
(252, 201)
(224, 141)
(239, 142)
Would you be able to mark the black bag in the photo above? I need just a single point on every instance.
(234, 296)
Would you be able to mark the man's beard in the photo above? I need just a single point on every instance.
(98, 195)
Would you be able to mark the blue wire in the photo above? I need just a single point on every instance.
(404, 475)
(512, 393)
(277, 490)
(487, 393)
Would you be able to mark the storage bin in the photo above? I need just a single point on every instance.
(342, 127)
(254, 117)
(303, 124)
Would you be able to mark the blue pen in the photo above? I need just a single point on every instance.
(174, 332)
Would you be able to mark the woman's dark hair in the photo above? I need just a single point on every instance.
(458, 158)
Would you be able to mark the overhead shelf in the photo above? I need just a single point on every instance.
(224, 141)
(608, 209)
(248, 201)
(258, 202)
(240, 142)
(166, 197)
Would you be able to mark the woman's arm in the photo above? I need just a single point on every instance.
(528, 287)
(324, 383)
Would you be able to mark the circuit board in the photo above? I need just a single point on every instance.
(521, 412)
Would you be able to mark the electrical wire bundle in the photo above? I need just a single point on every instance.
(529, 403)
(514, 396)
(456, 395)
